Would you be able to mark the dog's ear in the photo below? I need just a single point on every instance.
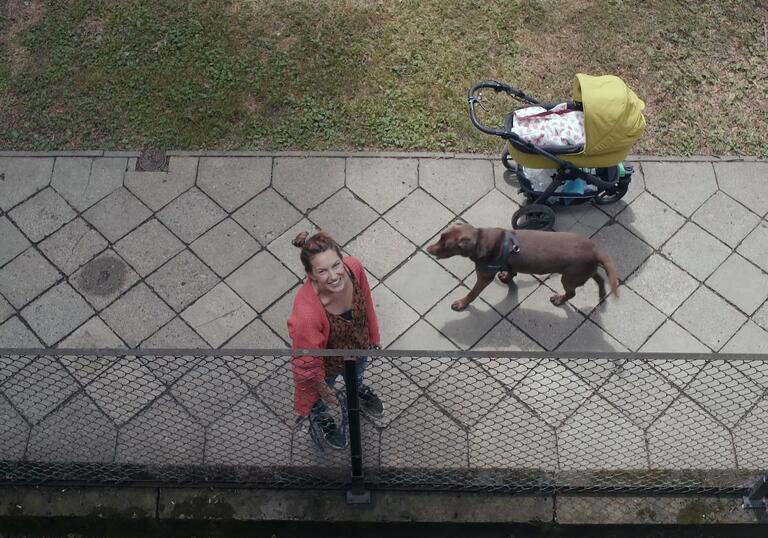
(467, 245)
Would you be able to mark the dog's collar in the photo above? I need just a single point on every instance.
(501, 262)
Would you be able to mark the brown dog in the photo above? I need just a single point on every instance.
(507, 252)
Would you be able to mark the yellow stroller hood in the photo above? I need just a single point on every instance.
(613, 120)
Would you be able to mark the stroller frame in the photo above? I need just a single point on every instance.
(611, 182)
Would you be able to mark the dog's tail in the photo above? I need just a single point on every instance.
(606, 263)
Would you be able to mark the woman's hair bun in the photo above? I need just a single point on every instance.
(300, 239)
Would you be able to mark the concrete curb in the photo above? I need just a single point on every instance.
(689, 510)
(208, 504)
(360, 154)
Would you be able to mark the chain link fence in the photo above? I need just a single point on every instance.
(465, 421)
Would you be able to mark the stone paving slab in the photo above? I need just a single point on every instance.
(266, 216)
(22, 177)
(726, 219)
(42, 214)
(149, 246)
(307, 182)
(163, 434)
(673, 184)
(218, 315)
(651, 220)
(117, 214)
(93, 334)
(745, 183)
(381, 182)
(224, 247)
(182, 280)
(261, 280)
(420, 282)
(14, 333)
(137, 314)
(14, 242)
(419, 217)
(383, 248)
(56, 313)
(6, 310)
(26, 277)
(73, 245)
(191, 214)
(458, 184)
(52, 439)
(662, 283)
(83, 181)
(747, 292)
(709, 317)
(599, 436)
(230, 181)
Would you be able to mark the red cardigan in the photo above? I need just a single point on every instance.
(308, 328)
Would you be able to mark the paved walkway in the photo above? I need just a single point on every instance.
(96, 254)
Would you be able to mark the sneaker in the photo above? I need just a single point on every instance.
(333, 436)
(370, 403)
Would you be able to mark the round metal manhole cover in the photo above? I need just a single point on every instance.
(103, 276)
(152, 160)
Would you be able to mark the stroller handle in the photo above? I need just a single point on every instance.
(473, 100)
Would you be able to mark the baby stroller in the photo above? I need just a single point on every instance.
(567, 153)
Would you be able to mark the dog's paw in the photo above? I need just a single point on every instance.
(506, 277)
(459, 305)
(557, 300)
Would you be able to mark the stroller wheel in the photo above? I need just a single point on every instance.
(613, 195)
(508, 162)
(533, 217)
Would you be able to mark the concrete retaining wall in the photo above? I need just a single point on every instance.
(189, 504)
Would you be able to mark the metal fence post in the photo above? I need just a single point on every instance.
(757, 498)
(357, 492)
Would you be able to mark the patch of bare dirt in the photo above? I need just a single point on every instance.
(22, 14)
(251, 104)
(256, 107)
(366, 4)
(19, 59)
(240, 7)
(9, 112)
(286, 43)
(91, 30)
(58, 109)
(260, 16)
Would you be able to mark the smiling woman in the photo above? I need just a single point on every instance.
(339, 74)
(332, 310)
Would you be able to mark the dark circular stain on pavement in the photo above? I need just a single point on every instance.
(102, 276)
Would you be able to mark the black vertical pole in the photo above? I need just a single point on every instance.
(357, 493)
(758, 495)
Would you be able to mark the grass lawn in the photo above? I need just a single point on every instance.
(358, 74)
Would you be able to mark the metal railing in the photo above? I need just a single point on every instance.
(467, 421)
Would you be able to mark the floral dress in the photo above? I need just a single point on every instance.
(347, 332)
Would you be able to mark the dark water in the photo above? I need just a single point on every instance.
(62, 528)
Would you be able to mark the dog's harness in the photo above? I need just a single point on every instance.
(501, 263)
